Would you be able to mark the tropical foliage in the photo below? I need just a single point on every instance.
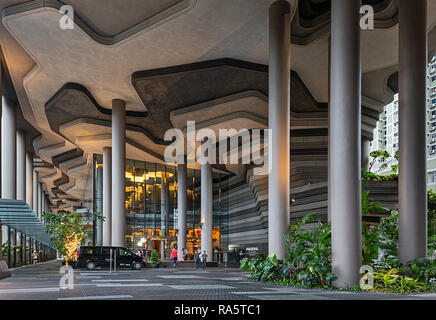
(308, 256)
(386, 161)
(154, 259)
(68, 230)
(393, 281)
(369, 206)
(307, 262)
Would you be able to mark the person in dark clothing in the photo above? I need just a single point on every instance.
(196, 259)
(241, 255)
(204, 259)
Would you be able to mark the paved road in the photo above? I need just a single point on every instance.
(42, 282)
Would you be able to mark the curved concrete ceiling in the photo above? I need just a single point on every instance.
(197, 34)
(112, 40)
(313, 18)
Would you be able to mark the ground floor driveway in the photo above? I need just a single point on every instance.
(43, 282)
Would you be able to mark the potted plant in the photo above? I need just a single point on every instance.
(154, 260)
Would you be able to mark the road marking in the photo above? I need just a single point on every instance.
(252, 292)
(228, 279)
(120, 280)
(128, 285)
(180, 277)
(191, 271)
(97, 273)
(30, 290)
(289, 297)
(200, 286)
(97, 297)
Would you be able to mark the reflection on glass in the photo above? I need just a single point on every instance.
(151, 208)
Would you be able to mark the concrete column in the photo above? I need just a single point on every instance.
(279, 124)
(31, 250)
(21, 165)
(14, 253)
(329, 218)
(164, 201)
(26, 252)
(23, 249)
(181, 209)
(365, 153)
(9, 149)
(1, 240)
(39, 200)
(35, 192)
(118, 172)
(29, 179)
(412, 130)
(44, 202)
(206, 210)
(345, 139)
(9, 248)
(99, 204)
(107, 196)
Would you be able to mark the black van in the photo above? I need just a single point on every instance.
(91, 257)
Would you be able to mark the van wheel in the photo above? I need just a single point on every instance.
(137, 266)
(90, 265)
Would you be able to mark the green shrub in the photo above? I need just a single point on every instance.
(154, 259)
(263, 269)
(370, 176)
(423, 269)
(309, 254)
(5, 250)
(392, 281)
(387, 235)
(370, 245)
(370, 206)
(431, 218)
(307, 262)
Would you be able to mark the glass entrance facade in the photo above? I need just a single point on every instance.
(151, 207)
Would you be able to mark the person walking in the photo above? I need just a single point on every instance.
(185, 254)
(204, 259)
(241, 255)
(196, 258)
(174, 256)
(35, 257)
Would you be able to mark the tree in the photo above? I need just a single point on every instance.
(68, 230)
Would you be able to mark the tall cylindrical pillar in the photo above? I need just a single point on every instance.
(23, 249)
(21, 165)
(164, 203)
(365, 153)
(345, 139)
(412, 193)
(279, 124)
(118, 175)
(35, 192)
(181, 209)
(14, 251)
(206, 210)
(9, 149)
(107, 196)
(99, 203)
(39, 196)
(9, 255)
(29, 179)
